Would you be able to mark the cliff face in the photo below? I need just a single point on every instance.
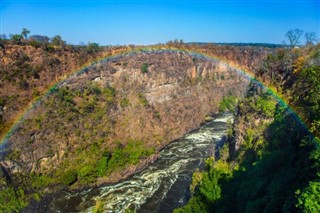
(107, 122)
(171, 98)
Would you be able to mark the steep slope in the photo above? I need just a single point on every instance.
(271, 163)
(106, 123)
(27, 72)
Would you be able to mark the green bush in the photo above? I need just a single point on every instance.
(102, 166)
(228, 103)
(144, 68)
(87, 174)
(109, 94)
(128, 155)
(69, 177)
(309, 199)
(124, 102)
(12, 199)
(265, 106)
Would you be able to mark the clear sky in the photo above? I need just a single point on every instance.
(150, 22)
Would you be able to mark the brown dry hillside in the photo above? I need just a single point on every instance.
(27, 72)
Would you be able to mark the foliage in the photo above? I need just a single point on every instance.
(128, 155)
(228, 103)
(99, 207)
(275, 167)
(196, 180)
(195, 205)
(265, 105)
(92, 48)
(209, 187)
(12, 199)
(309, 199)
(16, 38)
(307, 94)
(144, 68)
(124, 102)
(69, 177)
(57, 41)
(25, 32)
(102, 165)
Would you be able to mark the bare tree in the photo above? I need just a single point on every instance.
(294, 37)
(310, 38)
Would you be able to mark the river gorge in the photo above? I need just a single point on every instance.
(162, 186)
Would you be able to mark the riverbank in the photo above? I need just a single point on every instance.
(175, 163)
(114, 178)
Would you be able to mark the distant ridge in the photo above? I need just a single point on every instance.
(241, 44)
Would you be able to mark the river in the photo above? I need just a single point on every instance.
(162, 186)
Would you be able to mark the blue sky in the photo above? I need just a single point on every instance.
(150, 22)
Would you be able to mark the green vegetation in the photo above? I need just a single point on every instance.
(57, 41)
(144, 68)
(208, 189)
(86, 108)
(277, 167)
(228, 103)
(143, 100)
(273, 166)
(69, 177)
(25, 32)
(310, 78)
(124, 102)
(128, 155)
(17, 38)
(92, 48)
(309, 199)
(12, 199)
(99, 207)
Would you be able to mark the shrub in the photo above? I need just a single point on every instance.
(144, 68)
(12, 200)
(124, 102)
(69, 177)
(228, 104)
(143, 100)
(102, 166)
(87, 174)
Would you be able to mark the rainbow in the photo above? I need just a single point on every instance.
(149, 49)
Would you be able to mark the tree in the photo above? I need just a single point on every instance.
(92, 48)
(310, 38)
(25, 32)
(294, 36)
(16, 38)
(57, 41)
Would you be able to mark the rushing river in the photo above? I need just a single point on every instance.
(162, 186)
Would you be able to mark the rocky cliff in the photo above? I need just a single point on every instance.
(156, 107)
(108, 121)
